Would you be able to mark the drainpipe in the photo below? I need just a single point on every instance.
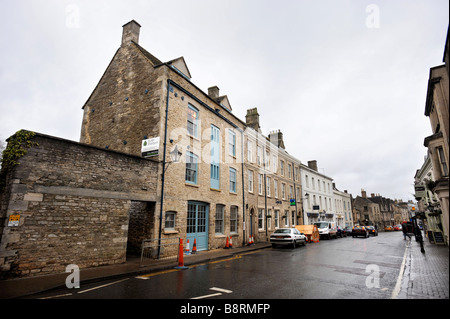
(243, 189)
(265, 189)
(164, 171)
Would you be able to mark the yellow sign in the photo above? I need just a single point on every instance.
(14, 220)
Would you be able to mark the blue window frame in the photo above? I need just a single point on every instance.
(191, 168)
(215, 157)
(231, 143)
(232, 180)
(192, 121)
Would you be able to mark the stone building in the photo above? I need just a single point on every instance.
(428, 202)
(317, 194)
(437, 109)
(343, 207)
(140, 98)
(272, 181)
(366, 211)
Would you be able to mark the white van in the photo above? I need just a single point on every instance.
(327, 229)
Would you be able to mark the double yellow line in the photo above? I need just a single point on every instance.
(238, 256)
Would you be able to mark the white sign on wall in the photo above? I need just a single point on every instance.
(150, 147)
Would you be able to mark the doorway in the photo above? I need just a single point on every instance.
(197, 224)
(140, 225)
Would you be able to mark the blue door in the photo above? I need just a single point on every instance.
(197, 224)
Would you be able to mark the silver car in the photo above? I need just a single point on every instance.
(287, 236)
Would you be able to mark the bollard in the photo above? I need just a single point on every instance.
(194, 248)
(227, 246)
(180, 257)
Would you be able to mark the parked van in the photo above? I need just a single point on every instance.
(327, 229)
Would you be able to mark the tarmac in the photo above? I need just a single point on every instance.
(21, 287)
(425, 276)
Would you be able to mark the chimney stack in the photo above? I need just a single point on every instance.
(213, 92)
(130, 32)
(363, 193)
(276, 138)
(252, 119)
(312, 165)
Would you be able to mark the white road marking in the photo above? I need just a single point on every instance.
(56, 296)
(396, 290)
(207, 296)
(111, 283)
(142, 277)
(221, 290)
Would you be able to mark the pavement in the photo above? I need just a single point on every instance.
(425, 276)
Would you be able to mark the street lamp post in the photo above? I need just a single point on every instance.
(175, 155)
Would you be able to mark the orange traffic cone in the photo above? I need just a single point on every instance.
(227, 246)
(187, 250)
(253, 240)
(231, 242)
(194, 248)
(180, 257)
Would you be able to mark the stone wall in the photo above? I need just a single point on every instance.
(74, 202)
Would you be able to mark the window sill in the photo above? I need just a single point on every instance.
(169, 232)
(192, 185)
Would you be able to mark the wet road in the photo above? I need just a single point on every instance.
(344, 268)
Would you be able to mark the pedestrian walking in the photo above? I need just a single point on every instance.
(405, 231)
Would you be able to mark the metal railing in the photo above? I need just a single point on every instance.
(168, 250)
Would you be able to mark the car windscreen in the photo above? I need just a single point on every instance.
(283, 231)
(321, 225)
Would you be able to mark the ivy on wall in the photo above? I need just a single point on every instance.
(16, 148)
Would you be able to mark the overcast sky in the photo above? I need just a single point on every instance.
(345, 81)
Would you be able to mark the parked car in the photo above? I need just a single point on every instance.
(398, 227)
(348, 230)
(388, 228)
(372, 230)
(360, 231)
(287, 236)
(341, 232)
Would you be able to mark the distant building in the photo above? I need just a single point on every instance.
(343, 207)
(317, 194)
